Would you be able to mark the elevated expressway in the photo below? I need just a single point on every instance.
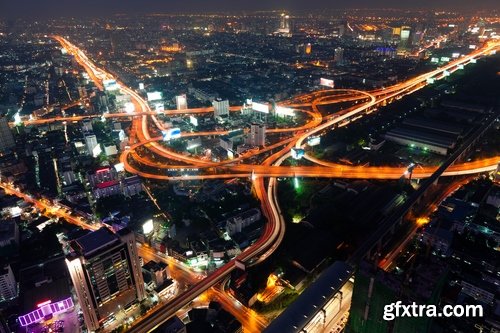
(271, 167)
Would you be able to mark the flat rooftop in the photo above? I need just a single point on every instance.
(421, 136)
(303, 309)
(93, 241)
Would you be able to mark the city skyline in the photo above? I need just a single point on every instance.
(94, 8)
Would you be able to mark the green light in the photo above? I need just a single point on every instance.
(296, 184)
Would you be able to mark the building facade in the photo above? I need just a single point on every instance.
(257, 135)
(221, 107)
(8, 284)
(106, 274)
(6, 138)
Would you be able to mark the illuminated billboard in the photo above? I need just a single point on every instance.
(171, 133)
(445, 59)
(141, 86)
(46, 309)
(283, 111)
(154, 96)
(193, 120)
(110, 85)
(455, 55)
(119, 167)
(434, 60)
(148, 227)
(446, 73)
(326, 82)
(129, 107)
(314, 141)
(260, 107)
(472, 47)
(431, 80)
(297, 153)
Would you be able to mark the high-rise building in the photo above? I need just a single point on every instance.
(6, 138)
(93, 147)
(405, 34)
(8, 284)
(106, 274)
(221, 107)
(284, 27)
(339, 55)
(257, 135)
(181, 102)
(120, 42)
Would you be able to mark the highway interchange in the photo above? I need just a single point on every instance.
(263, 174)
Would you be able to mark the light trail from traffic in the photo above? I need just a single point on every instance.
(271, 168)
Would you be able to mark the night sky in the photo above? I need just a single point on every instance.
(13, 8)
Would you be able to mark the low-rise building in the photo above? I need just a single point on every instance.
(236, 223)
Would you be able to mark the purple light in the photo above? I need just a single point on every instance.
(46, 310)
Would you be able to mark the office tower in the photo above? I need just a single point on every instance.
(339, 55)
(120, 43)
(221, 107)
(284, 27)
(181, 102)
(405, 35)
(106, 274)
(8, 284)
(257, 135)
(93, 147)
(6, 138)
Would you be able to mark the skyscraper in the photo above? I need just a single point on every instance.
(405, 40)
(8, 285)
(339, 55)
(284, 27)
(6, 138)
(106, 274)
(221, 107)
(257, 135)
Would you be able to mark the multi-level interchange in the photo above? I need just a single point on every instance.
(264, 175)
(103, 264)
